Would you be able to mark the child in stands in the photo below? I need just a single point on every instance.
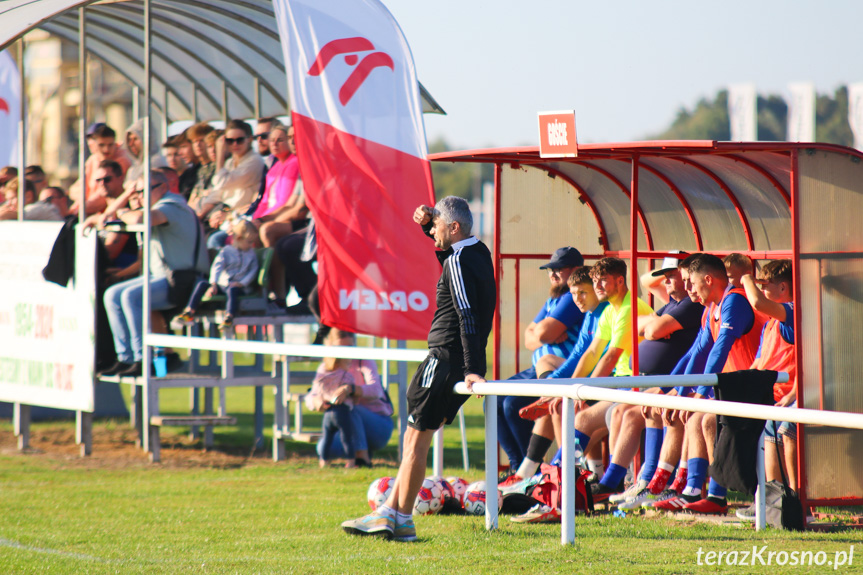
(232, 273)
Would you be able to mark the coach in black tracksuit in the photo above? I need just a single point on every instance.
(466, 297)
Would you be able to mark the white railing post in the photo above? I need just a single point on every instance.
(760, 495)
(567, 520)
(491, 503)
(437, 453)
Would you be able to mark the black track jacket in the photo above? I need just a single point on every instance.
(466, 298)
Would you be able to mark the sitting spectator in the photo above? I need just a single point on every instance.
(101, 140)
(107, 185)
(281, 177)
(180, 157)
(236, 182)
(56, 197)
(354, 403)
(8, 174)
(172, 240)
(233, 272)
(197, 135)
(36, 176)
(135, 149)
(263, 127)
(33, 211)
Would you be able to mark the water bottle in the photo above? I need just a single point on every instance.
(160, 362)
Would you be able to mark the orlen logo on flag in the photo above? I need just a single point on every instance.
(348, 47)
(366, 299)
(557, 134)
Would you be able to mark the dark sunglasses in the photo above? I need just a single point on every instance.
(262, 135)
(232, 141)
(106, 179)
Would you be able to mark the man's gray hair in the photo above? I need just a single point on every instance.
(455, 209)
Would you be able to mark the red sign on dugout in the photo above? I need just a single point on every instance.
(557, 134)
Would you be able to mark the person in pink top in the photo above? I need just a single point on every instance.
(355, 406)
(281, 177)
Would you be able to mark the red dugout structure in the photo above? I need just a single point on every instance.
(641, 200)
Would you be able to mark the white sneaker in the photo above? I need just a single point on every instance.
(747, 513)
(630, 492)
(640, 498)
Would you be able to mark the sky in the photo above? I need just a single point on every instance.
(625, 67)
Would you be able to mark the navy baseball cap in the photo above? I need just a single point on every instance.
(567, 257)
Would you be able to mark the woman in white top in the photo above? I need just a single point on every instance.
(236, 182)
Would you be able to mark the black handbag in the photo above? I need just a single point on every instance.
(182, 282)
(784, 509)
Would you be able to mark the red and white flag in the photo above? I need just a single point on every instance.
(10, 106)
(361, 143)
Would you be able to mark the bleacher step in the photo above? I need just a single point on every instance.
(193, 420)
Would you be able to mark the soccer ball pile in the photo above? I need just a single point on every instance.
(434, 494)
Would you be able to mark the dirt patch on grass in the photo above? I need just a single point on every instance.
(114, 447)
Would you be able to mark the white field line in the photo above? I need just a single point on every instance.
(22, 547)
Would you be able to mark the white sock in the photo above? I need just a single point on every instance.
(692, 491)
(527, 468)
(596, 466)
(665, 466)
(402, 518)
(386, 511)
(684, 464)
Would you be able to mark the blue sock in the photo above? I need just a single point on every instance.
(613, 475)
(664, 432)
(583, 440)
(652, 447)
(697, 472)
(716, 490)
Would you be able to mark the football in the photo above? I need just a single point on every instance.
(446, 489)
(474, 498)
(379, 490)
(430, 498)
(459, 486)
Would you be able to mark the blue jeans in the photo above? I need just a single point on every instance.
(124, 304)
(369, 431)
(513, 432)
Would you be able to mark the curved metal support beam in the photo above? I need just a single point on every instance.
(55, 27)
(747, 230)
(603, 236)
(648, 236)
(205, 40)
(180, 48)
(763, 171)
(696, 230)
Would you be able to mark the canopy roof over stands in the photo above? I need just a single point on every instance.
(692, 195)
(198, 46)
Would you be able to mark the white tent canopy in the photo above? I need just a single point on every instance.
(201, 50)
